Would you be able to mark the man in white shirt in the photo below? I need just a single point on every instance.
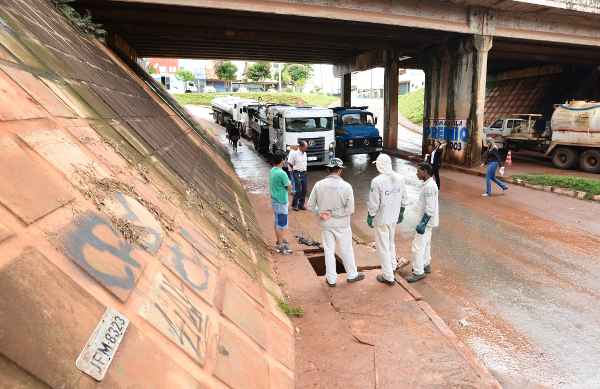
(429, 219)
(387, 201)
(298, 161)
(332, 199)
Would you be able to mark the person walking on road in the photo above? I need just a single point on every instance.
(387, 201)
(429, 219)
(494, 162)
(435, 160)
(332, 199)
(279, 186)
(297, 159)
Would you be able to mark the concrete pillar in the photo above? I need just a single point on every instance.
(347, 90)
(390, 101)
(481, 45)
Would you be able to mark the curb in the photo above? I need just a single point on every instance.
(460, 346)
(576, 194)
(447, 332)
(404, 284)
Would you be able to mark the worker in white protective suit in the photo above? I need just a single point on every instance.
(387, 201)
(332, 199)
(429, 219)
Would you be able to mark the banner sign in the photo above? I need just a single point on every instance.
(453, 132)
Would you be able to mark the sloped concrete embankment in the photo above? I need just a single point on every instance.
(110, 199)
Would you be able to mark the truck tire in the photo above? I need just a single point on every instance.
(564, 158)
(590, 161)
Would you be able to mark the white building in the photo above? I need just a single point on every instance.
(370, 82)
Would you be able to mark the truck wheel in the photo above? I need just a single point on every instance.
(590, 161)
(564, 158)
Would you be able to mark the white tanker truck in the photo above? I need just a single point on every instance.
(232, 110)
(572, 139)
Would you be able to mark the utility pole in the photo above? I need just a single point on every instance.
(279, 66)
(371, 90)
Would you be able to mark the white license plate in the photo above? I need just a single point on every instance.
(102, 346)
(312, 158)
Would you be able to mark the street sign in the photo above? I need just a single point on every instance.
(98, 353)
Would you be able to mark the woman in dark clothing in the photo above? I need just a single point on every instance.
(435, 160)
(494, 160)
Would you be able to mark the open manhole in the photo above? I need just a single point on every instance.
(316, 258)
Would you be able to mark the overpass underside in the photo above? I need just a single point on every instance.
(457, 43)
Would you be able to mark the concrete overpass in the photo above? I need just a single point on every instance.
(456, 42)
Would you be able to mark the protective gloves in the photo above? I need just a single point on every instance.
(370, 220)
(421, 226)
(401, 216)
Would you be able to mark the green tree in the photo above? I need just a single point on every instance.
(151, 70)
(185, 75)
(297, 74)
(226, 71)
(259, 71)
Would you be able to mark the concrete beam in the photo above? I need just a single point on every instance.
(347, 90)
(390, 101)
(564, 24)
(482, 45)
(361, 62)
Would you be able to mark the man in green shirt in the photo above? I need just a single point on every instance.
(279, 186)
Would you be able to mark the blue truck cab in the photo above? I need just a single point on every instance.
(355, 132)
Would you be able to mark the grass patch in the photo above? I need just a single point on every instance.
(288, 309)
(589, 185)
(297, 99)
(411, 105)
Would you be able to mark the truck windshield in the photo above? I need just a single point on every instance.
(307, 124)
(358, 118)
(497, 124)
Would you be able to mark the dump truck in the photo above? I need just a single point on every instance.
(571, 139)
(289, 125)
(355, 132)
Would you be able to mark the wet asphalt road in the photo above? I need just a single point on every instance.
(515, 276)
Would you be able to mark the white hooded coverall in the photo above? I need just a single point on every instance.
(421, 247)
(333, 194)
(387, 196)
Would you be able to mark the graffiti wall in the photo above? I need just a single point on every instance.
(128, 253)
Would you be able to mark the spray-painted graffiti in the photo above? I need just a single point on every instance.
(454, 132)
(192, 269)
(179, 316)
(93, 244)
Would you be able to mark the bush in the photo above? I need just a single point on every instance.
(289, 310)
(296, 99)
